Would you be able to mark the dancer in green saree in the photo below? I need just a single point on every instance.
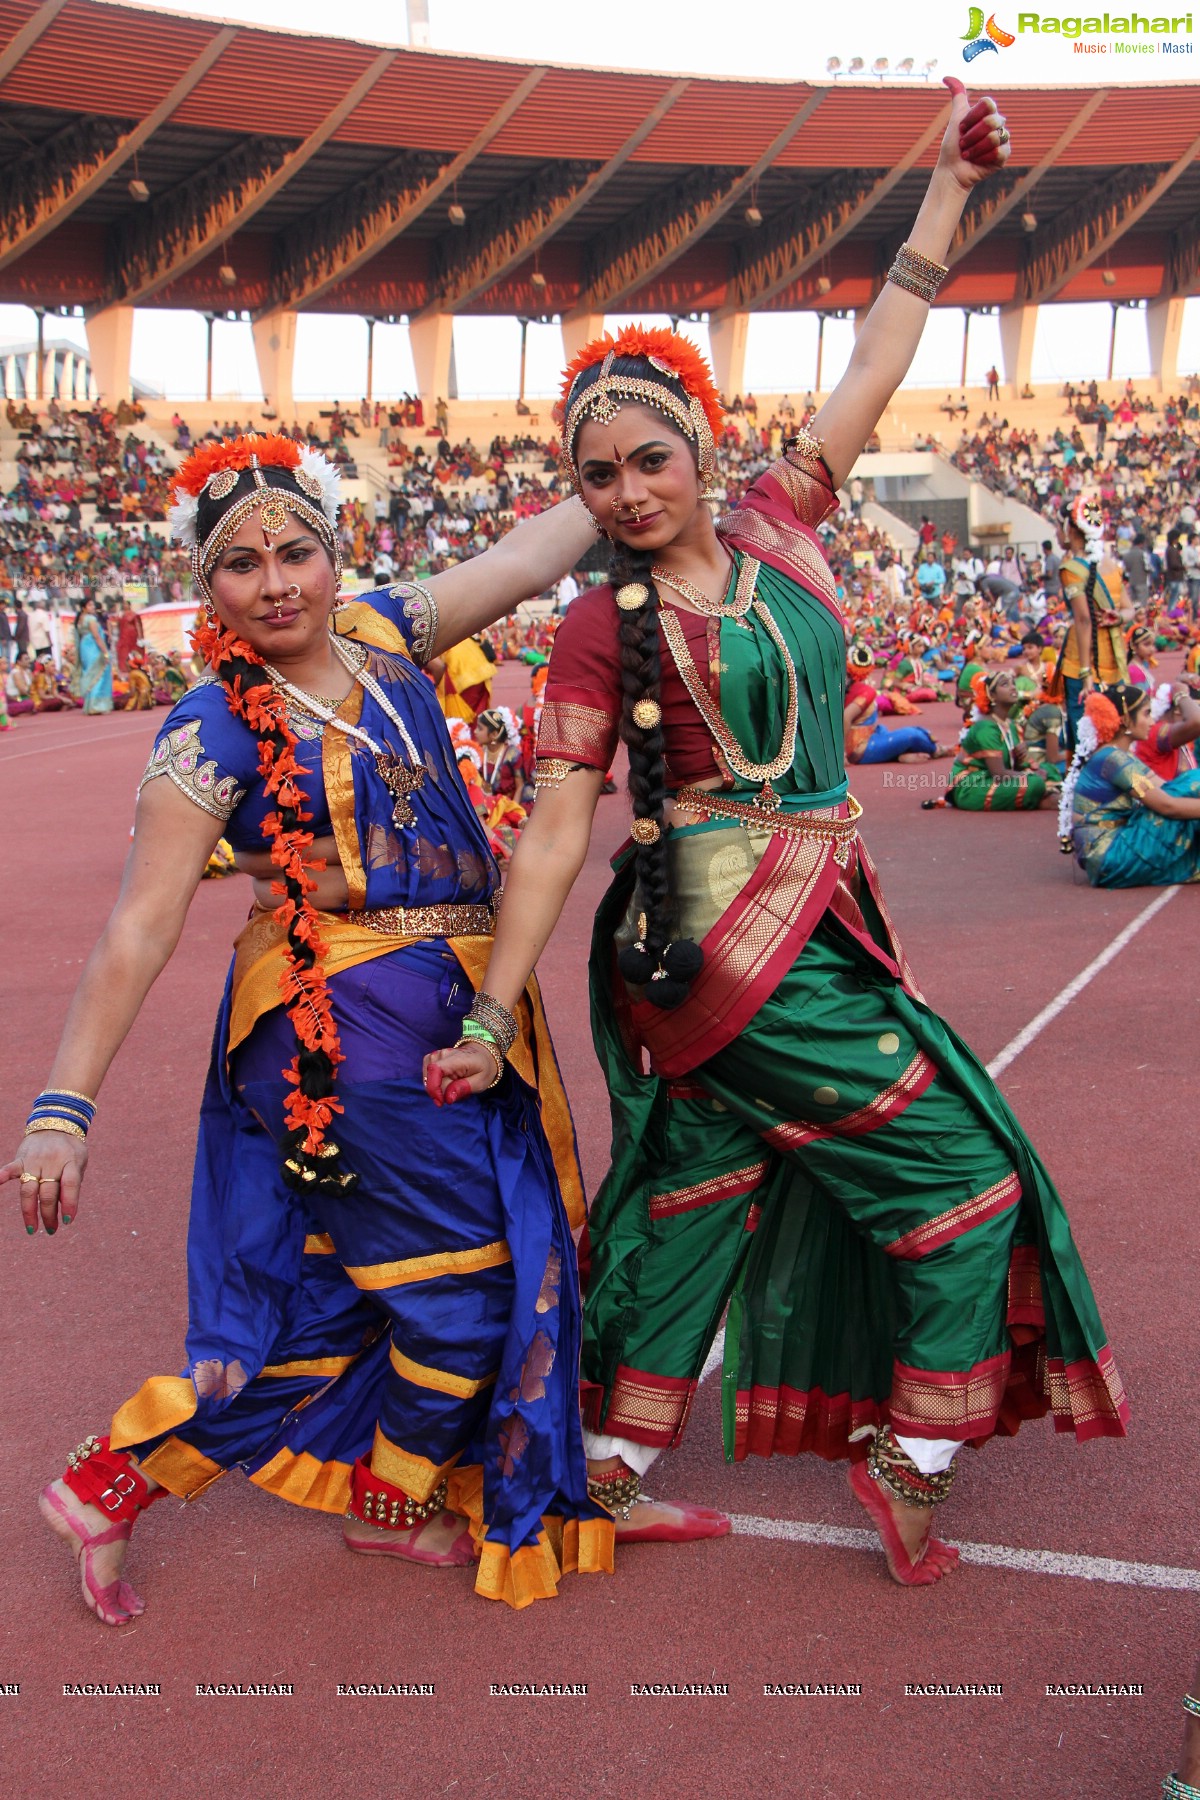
(796, 1136)
(990, 773)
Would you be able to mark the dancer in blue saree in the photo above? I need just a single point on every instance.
(384, 1318)
(93, 660)
(1125, 827)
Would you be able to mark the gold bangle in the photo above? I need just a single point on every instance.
(918, 274)
(55, 1125)
(493, 1051)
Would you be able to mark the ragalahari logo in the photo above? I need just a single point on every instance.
(984, 37)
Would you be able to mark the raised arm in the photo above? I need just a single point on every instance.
(975, 144)
(524, 562)
(550, 853)
(172, 843)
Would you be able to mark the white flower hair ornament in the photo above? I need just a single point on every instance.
(329, 477)
(1161, 702)
(182, 518)
(1087, 741)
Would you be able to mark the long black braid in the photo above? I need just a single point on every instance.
(667, 965)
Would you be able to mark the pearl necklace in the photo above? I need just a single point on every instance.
(400, 777)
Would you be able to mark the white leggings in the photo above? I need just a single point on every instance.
(931, 1455)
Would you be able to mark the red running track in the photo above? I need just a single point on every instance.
(240, 1588)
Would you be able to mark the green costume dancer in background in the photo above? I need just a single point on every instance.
(809, 1146)
(989, 773)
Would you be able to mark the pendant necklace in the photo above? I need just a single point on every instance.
(401, 776)
(734, 754)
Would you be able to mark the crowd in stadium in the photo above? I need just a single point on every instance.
(924, 623)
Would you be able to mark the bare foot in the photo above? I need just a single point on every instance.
(443, 1542)
(98, 1547)
(915, 1558)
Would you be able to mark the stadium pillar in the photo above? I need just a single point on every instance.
(1018, 328)
(275, 352)
(727, 338)
(579, 329)
(1164, 328)
(431, 336)
(110, 344)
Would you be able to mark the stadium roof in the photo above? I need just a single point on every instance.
(321, 172)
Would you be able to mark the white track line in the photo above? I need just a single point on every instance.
(715, 1356)
(68, 743)
(995, 1556)
(1074, 988)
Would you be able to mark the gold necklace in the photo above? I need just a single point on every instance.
(401, 776)
(735, 756)
(737, 608)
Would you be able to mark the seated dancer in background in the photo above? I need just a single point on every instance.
(499, 739)
(991, 772)
(867, 739)
(384, 1316)
(1124, 826)
(1174, 728)
(811, 1145)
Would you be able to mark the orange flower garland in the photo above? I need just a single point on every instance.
(302, 984)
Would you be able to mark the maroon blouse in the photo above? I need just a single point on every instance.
(582, 710)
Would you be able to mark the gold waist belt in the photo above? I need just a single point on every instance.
(754, 816)
(445, 921)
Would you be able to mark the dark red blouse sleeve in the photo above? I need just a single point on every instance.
(581, 712)
(807, 485)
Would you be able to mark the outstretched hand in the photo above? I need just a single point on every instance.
(452, 1075)
(976, 143)
(48, 1169)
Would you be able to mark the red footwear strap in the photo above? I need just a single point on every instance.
(377, 1502)
(108, 1479)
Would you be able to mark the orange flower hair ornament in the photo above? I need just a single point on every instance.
(305, 483)
(1104, 716)
(700, 418)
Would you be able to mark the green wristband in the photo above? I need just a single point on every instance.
(471, 1028)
